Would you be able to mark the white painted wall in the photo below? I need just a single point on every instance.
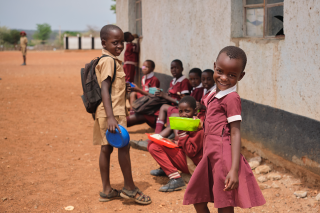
(285, 74)
(97, 43)
(86, 43)
(281, 73)
(73, 43)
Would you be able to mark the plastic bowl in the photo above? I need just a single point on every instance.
(118, 140)
(153, 90)
(185, 124)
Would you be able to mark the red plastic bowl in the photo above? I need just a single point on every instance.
(164, 141)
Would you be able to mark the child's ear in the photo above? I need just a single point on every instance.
(214, 66)
(241, 75)
(103, 43)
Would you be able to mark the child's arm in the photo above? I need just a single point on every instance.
(106, 99)
(137, 89)
(232, 179)
(191, 142)
(166, 96)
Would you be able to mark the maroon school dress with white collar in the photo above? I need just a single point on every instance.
(207, 181)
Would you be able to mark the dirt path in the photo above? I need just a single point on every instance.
(48, 162)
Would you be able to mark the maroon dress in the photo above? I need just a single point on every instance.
(207, 181)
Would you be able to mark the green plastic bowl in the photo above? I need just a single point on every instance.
(185, 124)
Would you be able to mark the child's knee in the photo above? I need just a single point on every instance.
(107, 149)
(133, 95)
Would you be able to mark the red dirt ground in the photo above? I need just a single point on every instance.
(47, 158)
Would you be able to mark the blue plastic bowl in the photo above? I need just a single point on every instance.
(118, 140)
(131, 84)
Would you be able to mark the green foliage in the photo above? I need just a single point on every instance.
(11, 36)
(113, 7)
(71, 33)
(43, 32)
(3, 31)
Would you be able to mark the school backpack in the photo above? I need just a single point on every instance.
(91, 90)
(147, 105)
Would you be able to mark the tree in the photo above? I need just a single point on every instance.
(43, 32)
(113, 7)
(11, 37)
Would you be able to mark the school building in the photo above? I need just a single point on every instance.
(280, 91)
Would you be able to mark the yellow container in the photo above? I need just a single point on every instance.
(185, 124)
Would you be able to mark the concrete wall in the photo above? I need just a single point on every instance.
(285, 74)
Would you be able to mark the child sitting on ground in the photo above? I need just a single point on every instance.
(208, 85)
(179, 87)
(148, 80)
(183, 158)
(110, 113)
(167, 110)
(223, 175)
(131, 56)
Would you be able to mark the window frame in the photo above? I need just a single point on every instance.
(265, 7)
(140, 18)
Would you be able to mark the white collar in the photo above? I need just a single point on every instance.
(174, 81)
(212, 88)
(200, 85)
(223, 93)
(145, 77)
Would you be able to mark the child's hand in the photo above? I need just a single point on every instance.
(159, 94)
(232, 180)
(198, 107)
(112, 125)
(128, 87)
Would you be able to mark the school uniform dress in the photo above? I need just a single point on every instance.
(197, 92)
(184, 158)
(207, 182)
(206, 92)
(105, 69)
(180, 85)
(130, 62)
(148, 81)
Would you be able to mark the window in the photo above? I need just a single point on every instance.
(138, 18)
(263, 18)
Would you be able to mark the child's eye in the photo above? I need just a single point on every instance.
(115, 43)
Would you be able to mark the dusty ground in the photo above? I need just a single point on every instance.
(48, 162)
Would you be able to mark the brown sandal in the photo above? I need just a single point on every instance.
(131, 195)
(112, 195)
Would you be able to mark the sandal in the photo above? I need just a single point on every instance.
(112, 195)
(131, 195)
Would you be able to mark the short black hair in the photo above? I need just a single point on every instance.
(105, 30)
(126, 35)
(235, 53)
(189, 100)
(153, 65)
(196, 70)
(178, 61)
(209, 71)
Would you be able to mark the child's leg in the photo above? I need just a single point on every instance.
(202, 207)
(229, 209)
(133, 97)
(104, 164)
(125, 164)
(135, 119)
(161, 118)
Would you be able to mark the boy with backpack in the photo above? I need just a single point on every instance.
(111, 112)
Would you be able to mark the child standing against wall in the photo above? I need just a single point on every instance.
(110, 113)
(131, 56)
(223, 176)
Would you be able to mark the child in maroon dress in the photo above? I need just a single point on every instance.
(148, 80)
(179, 86)
(167, 110)
(130, 56)
(223, 176)
(184, 158)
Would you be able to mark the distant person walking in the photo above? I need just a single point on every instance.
(23, 46)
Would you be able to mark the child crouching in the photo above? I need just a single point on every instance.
(183, 158)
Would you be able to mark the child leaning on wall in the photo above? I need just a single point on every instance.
(131, 56)
(186, 157)
(110, 113)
